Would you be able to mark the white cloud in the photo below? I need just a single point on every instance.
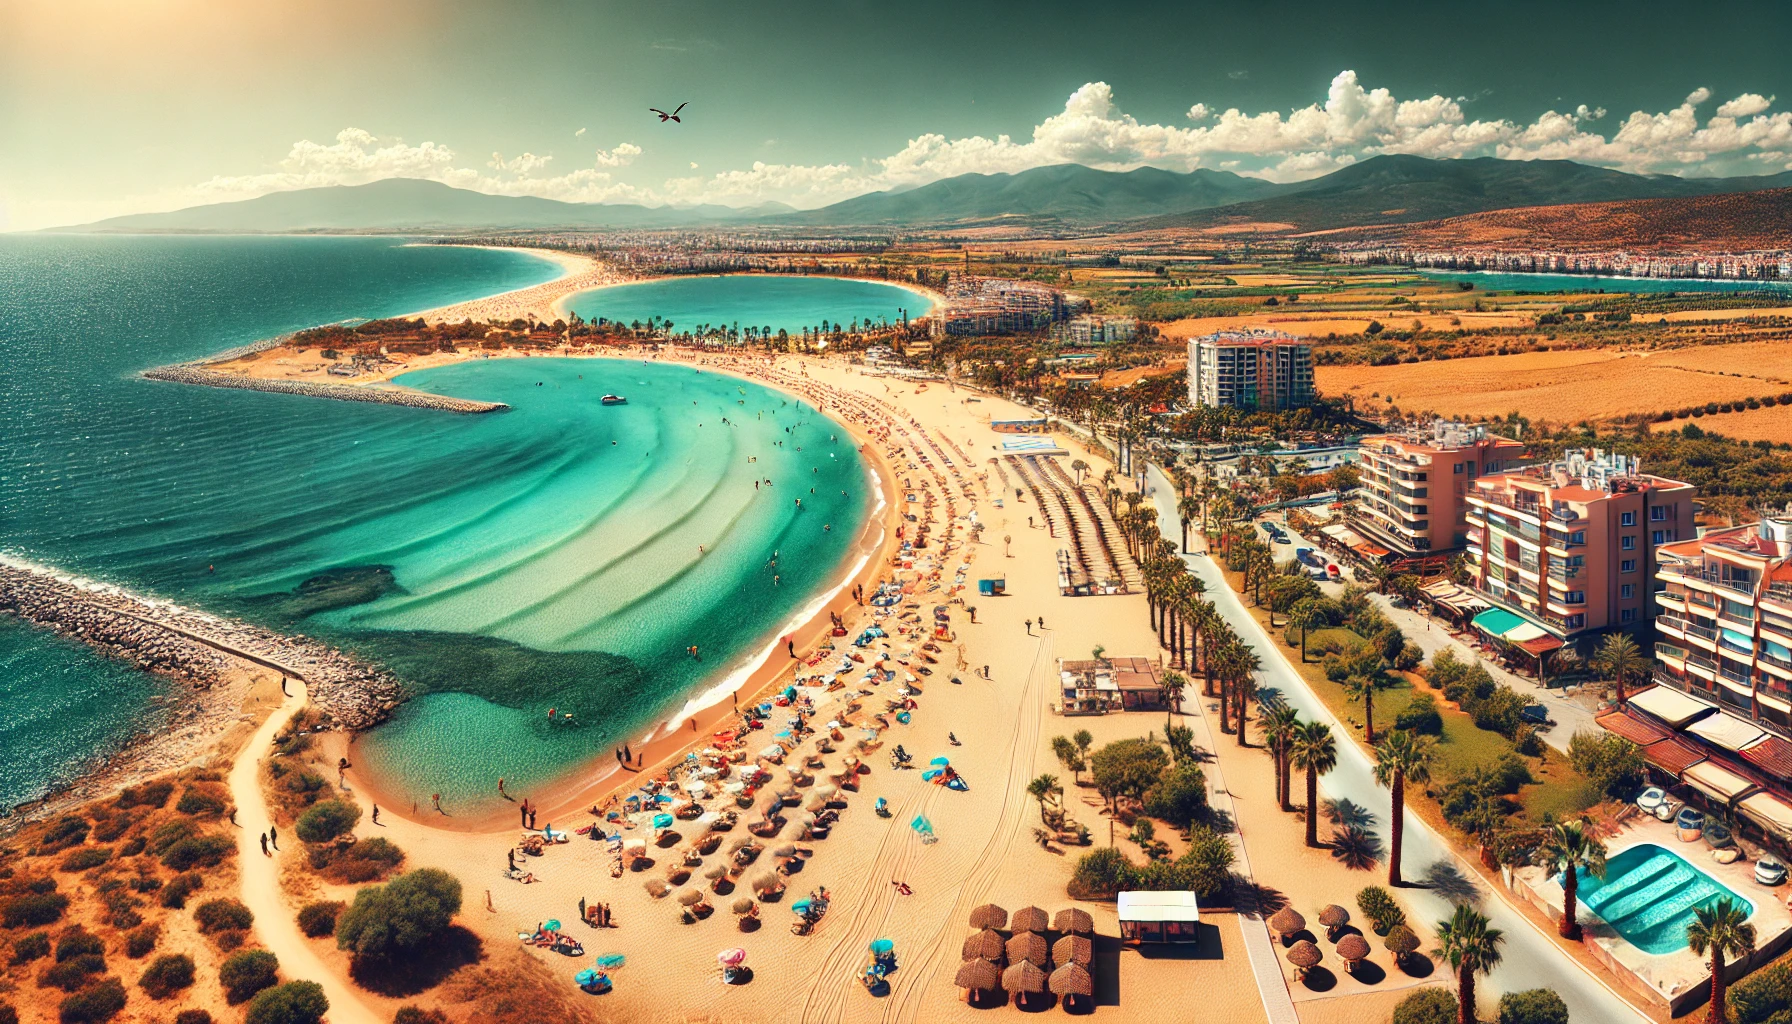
(1746, 105)
(578, 133)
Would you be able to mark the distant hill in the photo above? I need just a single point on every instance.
(1730, 221)
(1410, 189)
(411, 204)
(1067, 193)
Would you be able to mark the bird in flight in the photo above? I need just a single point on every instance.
(673, 116)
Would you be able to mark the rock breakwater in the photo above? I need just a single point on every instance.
(187, 374)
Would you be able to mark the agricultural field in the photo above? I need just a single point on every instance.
(1319, 324)
(1769, 423)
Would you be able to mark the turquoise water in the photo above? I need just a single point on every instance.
(1648, 896)
(500, 564)
(758, 300)
(1493, 282)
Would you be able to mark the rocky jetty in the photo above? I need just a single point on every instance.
(196, 648)
(187, 374)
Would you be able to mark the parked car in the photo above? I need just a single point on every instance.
(1769, 870)
(1690, 823)
(1536, 714)
(1668, 809)
(1650, 799)
(1717, 835)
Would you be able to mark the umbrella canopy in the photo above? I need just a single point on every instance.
(1334, 916)
(744, 905)
(940, 761)
(1073, 921)
(552, 924)
(611, 960)
(1029, 946)
(766, 883)
(1029, 919)
(657, 887)
(1072, 980)
(732, 957)
(690, 897)
(989, 916)
(1287, 921)
(827, 789)
(1305, 955)
(881, 946)
(978, 974)
(1024, 978)
(786, 850)
(801, 906)
(663, 821)
(585, 977)
(1353, 947)
(719, 871)
(986, 944)
(1073, 949)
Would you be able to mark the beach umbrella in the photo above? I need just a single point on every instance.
(743, 905)
(1030, 946)
(1352, 948)
(678, 874)
(740, 844)
(1286, 922)
(690, 897)
(940, 761)
(1333, 917)
(827, 790)
(986, 944)
(552, 924)
(1024, 978)
(1072, 981)
(767, 883)
(978, 974)
(1028, 919)
(588, 976)
(784, 851)
(1073, 949)
(989, 916)
(718, 872)
(662, 821)
(657, 888)
(611, 961)
(1305, 956)
(732, 957)
(1073, 921)
(801, 906)
(881, 946)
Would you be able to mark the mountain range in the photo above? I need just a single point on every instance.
(1384, 190)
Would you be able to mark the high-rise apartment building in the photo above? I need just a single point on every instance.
(1250, 370)
(1413, 484)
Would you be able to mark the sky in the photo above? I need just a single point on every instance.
(122, 106)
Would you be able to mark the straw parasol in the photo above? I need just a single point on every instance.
(1029, 946)
(1286, 922)
(678, 874)
(986, 944)
(989, 916)
(1333, 917)
(657, 888)
(1401, 942)
(784, 851)
(744, 905)
(978, 974)
(1024, 979)
(1029, 919)
(1305, 956)
(1072, 981)
(1352, 948)
(1073, 921)
(690, 897)
(1073, 949)
(768, 883)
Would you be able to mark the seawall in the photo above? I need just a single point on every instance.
(320, 389)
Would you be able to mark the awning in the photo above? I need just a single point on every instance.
(1495, 621)
(1178, 905)
(1716, 782)
(1671, 706)
(1541, 645)
(1673, 755)
(1771, 754)
(1636, 730)
(1727, 731)
(1770, 812)
(1524, 631)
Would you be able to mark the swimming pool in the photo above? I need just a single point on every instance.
(1648, 896)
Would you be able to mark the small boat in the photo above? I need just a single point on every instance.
(614, 400)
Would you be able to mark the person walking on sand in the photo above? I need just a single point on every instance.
(264, 844)
(233, 815)
(283, 691)
(376, 814)
(274, 836)
(1042, 622)
(1029, 627)
(435, 800)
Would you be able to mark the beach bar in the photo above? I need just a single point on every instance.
(1159, 916)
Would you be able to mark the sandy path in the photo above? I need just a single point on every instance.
(275, 924)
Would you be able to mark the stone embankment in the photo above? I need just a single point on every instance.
(195, 648)
(187, 374)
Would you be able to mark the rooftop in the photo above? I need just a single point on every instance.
(1246, 337)
(1444, 435)
(1584, 475)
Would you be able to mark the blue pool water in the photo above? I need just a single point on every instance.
(1648, 896)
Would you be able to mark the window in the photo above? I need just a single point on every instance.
(1458, 469)
(1578, 537)
(1627, 591)
(1627, 615)
(1627, 565)
(1627, 543)
(1575, 597)
(1575, 622)
(1658, 514)
(1627, 519)
(1658, 536)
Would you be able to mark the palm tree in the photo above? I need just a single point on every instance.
(1362, 687)
(1400, 757)
(1079, 467)
(1315, 752)
(1470, 948)
(1382, 574)
(1567, 848)
(1188, 508)
(1173, 683)
(1723, 929)
(1083, 739)
(1279, 724)
(1069, 756)
(1040, 788)
(1306, 616)
(1618, 659)
(1245, 665)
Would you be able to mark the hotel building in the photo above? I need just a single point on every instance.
(1411, 498)
(1250, 370)
(1573, 546)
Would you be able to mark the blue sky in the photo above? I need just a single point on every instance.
(114, 106)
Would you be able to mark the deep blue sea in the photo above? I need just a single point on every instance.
(501, 564)
(1488, 281)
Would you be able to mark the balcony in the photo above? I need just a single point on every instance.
(1780, 591)
(1774, 660)
(1559, 571)
(1694, 629)
(1565, 515)
(1505, 501)
(1669, 599)
(1735, 675)
(1701, 664)
(1740, 585)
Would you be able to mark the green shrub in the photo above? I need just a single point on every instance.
(401, 916)
(8, 1015)
(247, 973)
(86, 857)
(76, 942)
(34, 946)
(1608, 760)
(327, 819)
(69, 975)
(306, 785)
(319, 919)
(33, 909)
(175, 893)
(1533, 1006)
(1207, 865)
(366, 861)
(139, 942)
(133, 846)
(230, 939)
(1099, 874)
(1377, 904)
(164, 836)
(94, 1004)
(296, 1002)
(193, 1017)
(1500, 711)
(418, 1015)
(1127, 768)
(166, 975)
(1420, 715)
(1426, 1006)
(68, 830)
(205, 851)
(1764, 997)
(112, 826)
(222, 915)
(1180, 797)
(198, 801)
(150, 794)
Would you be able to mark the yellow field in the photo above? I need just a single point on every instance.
(1318, 325)
(1725, 314)
(1764, 424)
(1759, 360)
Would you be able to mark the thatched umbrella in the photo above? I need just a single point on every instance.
(1072, 981)
(986, 944)
(1073, 949)
(1305, 956)
(1401, 942)
(1024, 979)
(1286, 922)
(1073, 921)
(785, 851)
(1352, 948)
(1029, 919)
(740, 844)
(744, 905)
(989, 916)
(1333, 917)
(978, 976)
(678, 874)
(1029, 946)
(768, 883)
(657, 888)
(690, 897)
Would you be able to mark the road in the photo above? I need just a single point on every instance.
(1531, 958)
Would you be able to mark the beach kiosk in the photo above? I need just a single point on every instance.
(1158, 916)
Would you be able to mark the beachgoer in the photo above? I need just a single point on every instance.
(233, 815)
(376, 814)
(264, 844)
(274, 836)
(1029, 627)
(435, 800)
(1041, 622)
(283, 691)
